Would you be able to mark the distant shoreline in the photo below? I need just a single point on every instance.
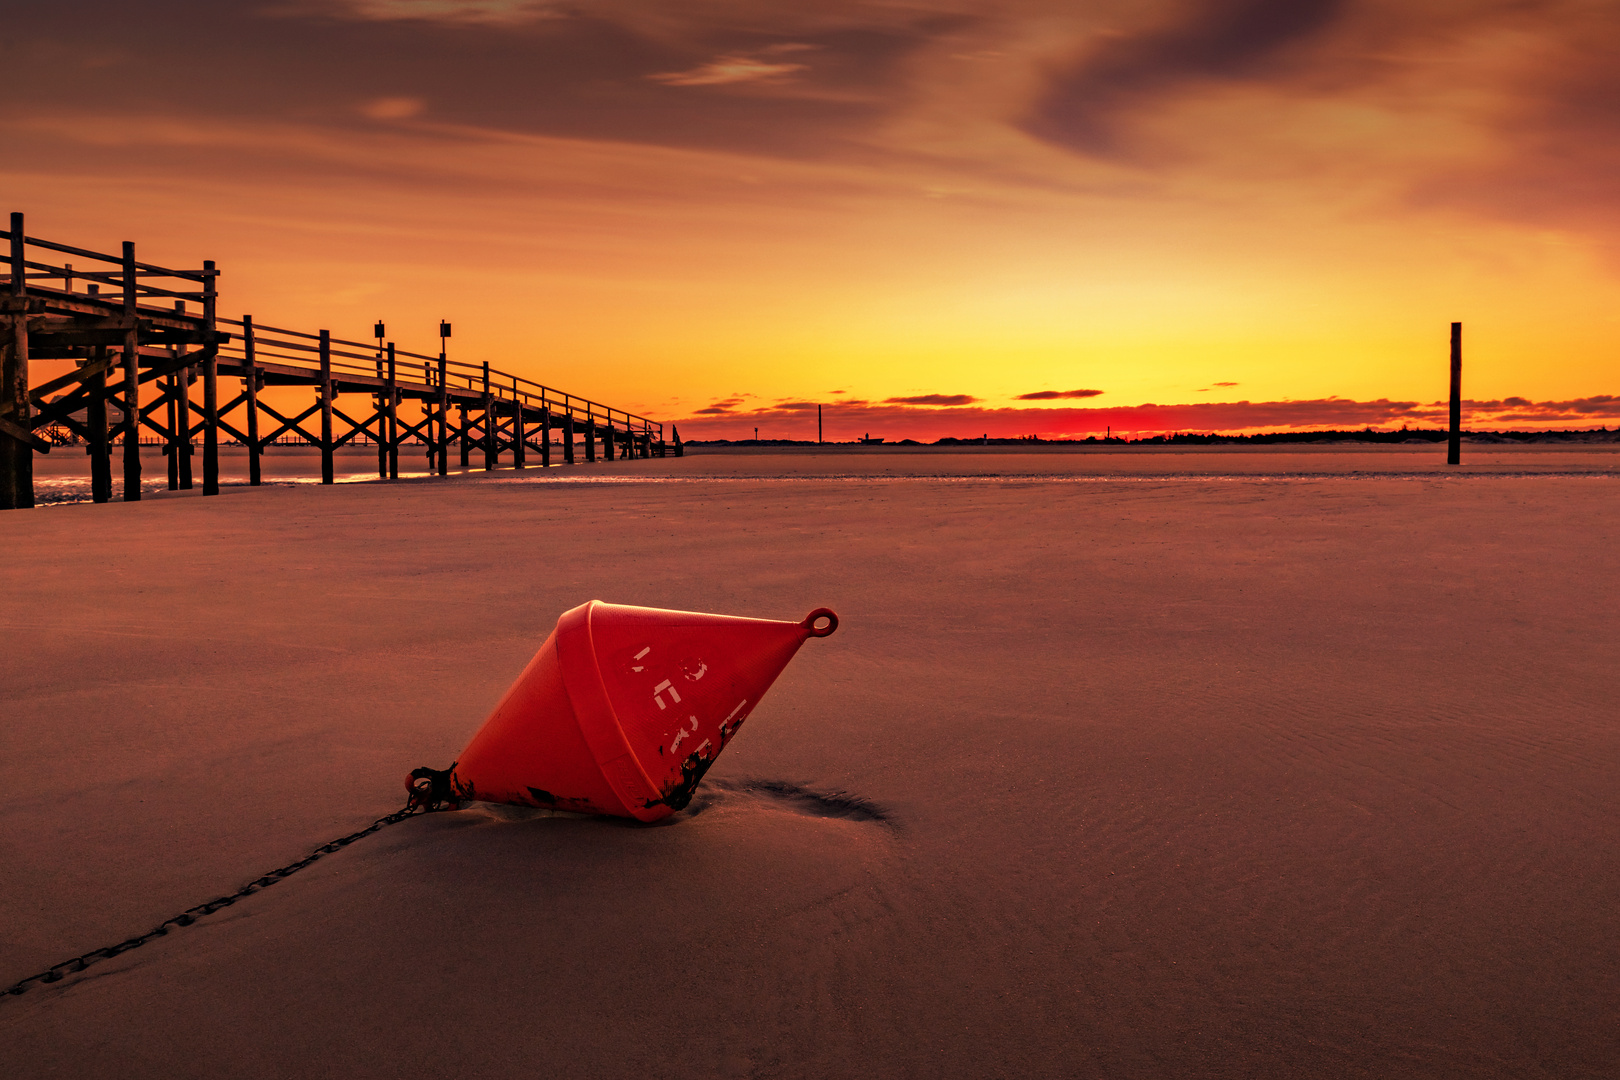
(1367, 436)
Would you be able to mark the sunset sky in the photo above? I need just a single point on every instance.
(924, 215)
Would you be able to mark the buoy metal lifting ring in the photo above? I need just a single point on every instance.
(816, 616)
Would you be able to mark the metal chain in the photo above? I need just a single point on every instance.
(56, 972)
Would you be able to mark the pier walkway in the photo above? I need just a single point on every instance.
(141, 336)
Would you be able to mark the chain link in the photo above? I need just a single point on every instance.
(56, 972)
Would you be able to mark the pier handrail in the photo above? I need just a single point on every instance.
(278, 343)
(126, 275)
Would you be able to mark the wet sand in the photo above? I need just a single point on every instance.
(1179, 764)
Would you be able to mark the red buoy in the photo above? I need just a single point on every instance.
(624, 709)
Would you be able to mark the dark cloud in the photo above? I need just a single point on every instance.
(574, 72)
(1054, 395)
(1542, 89)
(932, 399)
(1211, 40)
(1519, 410)
(1558, 143)
(1526, 91)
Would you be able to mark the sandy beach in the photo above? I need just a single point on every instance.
(1235, 763)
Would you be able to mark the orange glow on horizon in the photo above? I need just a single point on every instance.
(1297, 230)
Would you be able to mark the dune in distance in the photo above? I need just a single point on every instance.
(1258, 763)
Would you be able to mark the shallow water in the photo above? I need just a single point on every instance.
(64, 477)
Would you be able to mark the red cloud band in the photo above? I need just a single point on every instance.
(846, 420)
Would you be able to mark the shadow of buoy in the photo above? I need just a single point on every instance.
(717, 798)
(782, 795)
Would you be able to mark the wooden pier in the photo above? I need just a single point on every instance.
(141, 335)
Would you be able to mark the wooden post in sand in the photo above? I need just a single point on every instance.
(132, 384)
(250, 384)
(590, 435)
(1454, 445)
(545, 431)
(568, 435)
(326, 407)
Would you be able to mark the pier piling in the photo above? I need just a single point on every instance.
(250, 394)
(210, 366)
(326, 407)
(1454, 443)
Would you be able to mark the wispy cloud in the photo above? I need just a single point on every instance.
(764, 65)
(932, 399)
(724, 70)
(1054, 395)
(393, 108)
(491, 12)
(724, 406)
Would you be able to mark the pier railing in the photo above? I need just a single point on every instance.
(128, 325)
